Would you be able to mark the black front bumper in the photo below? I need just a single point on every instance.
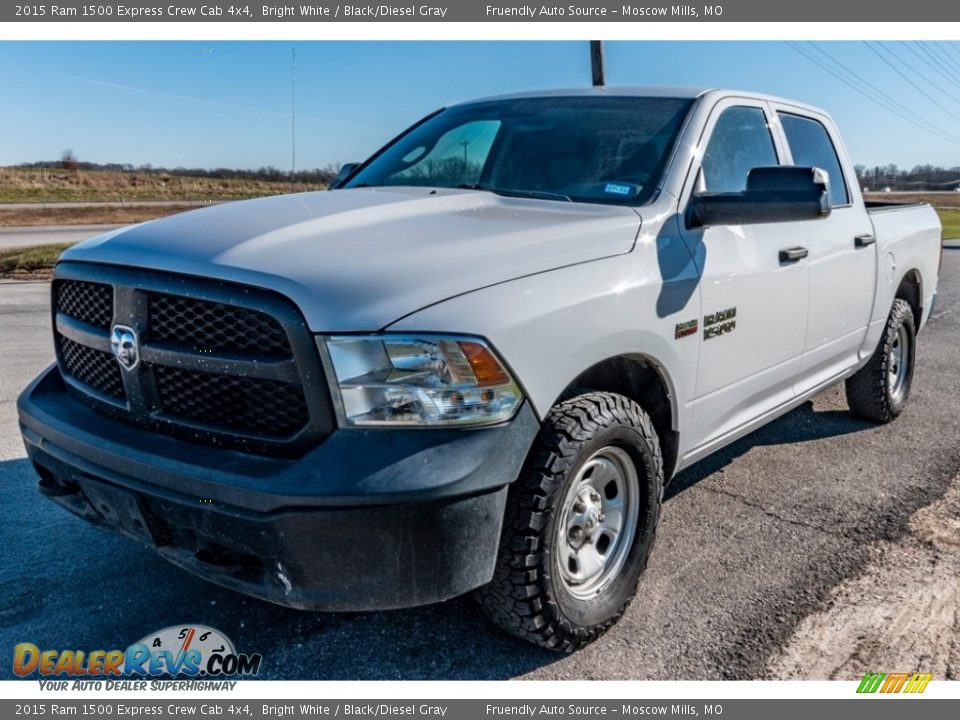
(369, 519)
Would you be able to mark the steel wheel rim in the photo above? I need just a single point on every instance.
(897, 363)
(597, 522)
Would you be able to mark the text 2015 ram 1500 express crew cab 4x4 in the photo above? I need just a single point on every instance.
(474, 365)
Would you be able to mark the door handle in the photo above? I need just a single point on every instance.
(864, 240)
(793, 254)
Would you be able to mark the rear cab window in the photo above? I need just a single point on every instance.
(811, 146)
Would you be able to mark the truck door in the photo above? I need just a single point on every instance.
(754, 304)
(842, 257)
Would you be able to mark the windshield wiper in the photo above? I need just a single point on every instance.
(535, 194)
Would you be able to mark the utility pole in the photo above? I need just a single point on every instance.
(293, 116)
(465, 143)
(596, 63)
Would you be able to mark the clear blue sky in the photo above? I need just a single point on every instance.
(228, 104)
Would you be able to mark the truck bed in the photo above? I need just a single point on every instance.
(879, 205)
(908, 235)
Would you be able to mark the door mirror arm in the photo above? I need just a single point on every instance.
(343, 174)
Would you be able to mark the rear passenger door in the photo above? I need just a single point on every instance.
(842, 254)
(754, 306)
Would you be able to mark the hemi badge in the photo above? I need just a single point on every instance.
(686, 328)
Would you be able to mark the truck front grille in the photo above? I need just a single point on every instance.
(211, 326)
(218, 363)
(256, 406)
(97, 369)
(90, 302)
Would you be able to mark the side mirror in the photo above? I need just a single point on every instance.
(773, 194)
(346, 170)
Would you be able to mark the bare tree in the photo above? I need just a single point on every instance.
(68, 159)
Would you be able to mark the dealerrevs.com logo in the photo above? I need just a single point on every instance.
(191, 651)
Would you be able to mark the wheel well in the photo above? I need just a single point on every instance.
(637, 378)
(911, 290)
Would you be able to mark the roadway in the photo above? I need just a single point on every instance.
(21, 237)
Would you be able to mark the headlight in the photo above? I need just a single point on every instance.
(420, 380)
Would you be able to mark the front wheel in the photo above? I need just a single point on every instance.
(879, 390)
(579, 524)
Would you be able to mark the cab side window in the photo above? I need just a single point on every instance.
(811, 146)
(740, 141)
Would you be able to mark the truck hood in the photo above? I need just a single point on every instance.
(359, 259)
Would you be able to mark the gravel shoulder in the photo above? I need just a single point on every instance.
(902, 614)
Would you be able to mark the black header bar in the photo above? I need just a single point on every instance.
(481, 11)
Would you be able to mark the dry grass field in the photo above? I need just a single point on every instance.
(31, 185)
(950, 219)
(34, 263)
(938, 200)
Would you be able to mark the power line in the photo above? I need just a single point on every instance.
(919, 73)
(943, 135)
(917, 119)
(935, 62)
(926, 51)
(944, 62)
(907, 110)
(919, 90)
(939, 70)
(953, 64)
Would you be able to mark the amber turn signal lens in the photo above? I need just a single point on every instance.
(485, 367)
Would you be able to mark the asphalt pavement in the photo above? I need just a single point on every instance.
(751, 542)
(19, 237)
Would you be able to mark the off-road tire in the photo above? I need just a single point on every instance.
(869, 391)
(525, 597)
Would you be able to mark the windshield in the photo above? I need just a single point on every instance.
(579, 148)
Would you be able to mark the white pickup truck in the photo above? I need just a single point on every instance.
(476, 363)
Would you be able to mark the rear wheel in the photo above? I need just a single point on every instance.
(579, 524)
(879, 390)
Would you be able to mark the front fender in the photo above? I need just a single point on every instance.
(551, 327)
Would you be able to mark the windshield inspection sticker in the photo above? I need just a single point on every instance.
(619, 189)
